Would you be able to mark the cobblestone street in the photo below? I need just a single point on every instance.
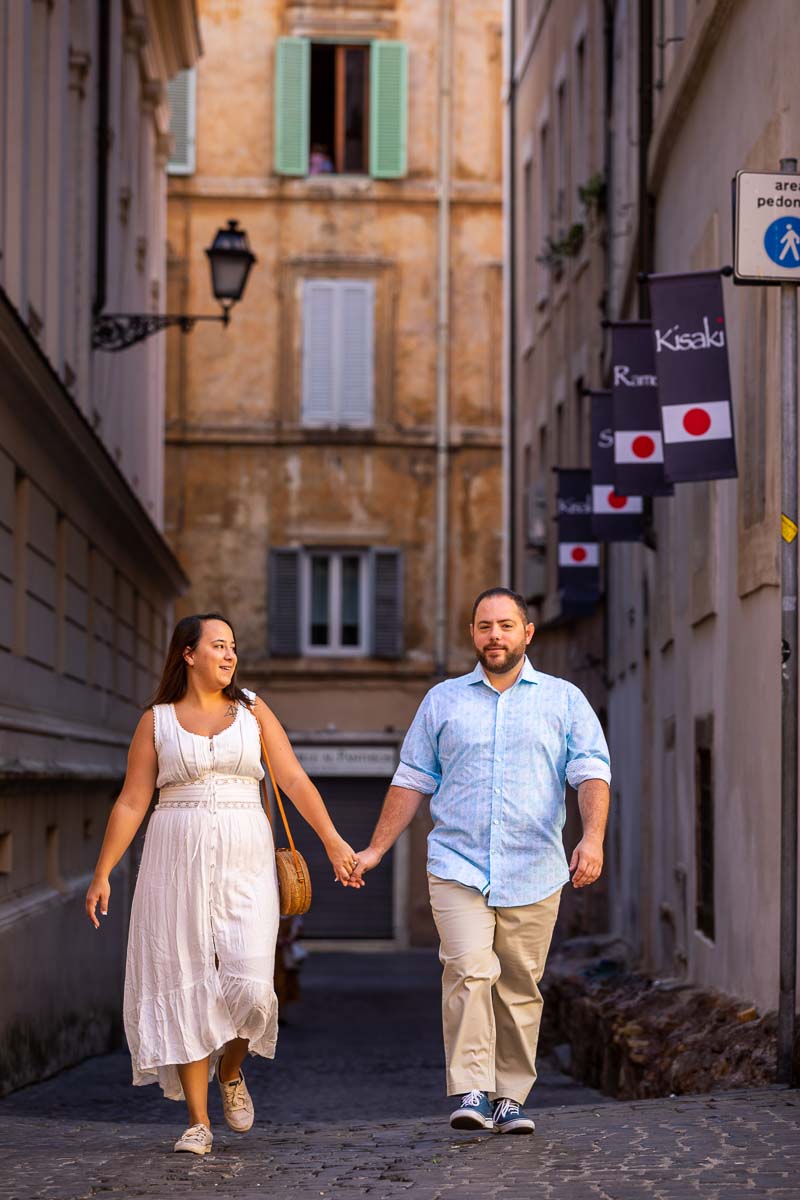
(354, 1106)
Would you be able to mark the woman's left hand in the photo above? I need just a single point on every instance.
(344, 861)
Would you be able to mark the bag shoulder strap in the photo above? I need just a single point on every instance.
(277, 792)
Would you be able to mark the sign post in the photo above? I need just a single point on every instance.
(767, 250)
(789, 515)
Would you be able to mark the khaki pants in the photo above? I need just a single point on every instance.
(493, 959)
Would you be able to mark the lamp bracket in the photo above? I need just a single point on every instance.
(118, 331)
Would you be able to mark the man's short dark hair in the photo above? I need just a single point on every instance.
(503, 591)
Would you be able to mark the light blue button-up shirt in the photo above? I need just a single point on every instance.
(495, 764)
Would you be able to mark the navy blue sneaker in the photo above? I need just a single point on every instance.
(474, 1112)
(509, 1117)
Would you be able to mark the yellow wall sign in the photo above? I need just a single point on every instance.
(788, 528)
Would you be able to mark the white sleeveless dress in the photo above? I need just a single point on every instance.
(204, 920)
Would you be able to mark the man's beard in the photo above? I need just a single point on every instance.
(501, 666)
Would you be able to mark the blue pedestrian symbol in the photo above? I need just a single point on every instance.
(782, 241)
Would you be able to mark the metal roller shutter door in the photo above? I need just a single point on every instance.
(337, 912)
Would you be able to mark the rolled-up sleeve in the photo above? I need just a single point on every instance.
(587, 751)
(419, 767)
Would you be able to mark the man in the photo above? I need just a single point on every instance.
(493, 749)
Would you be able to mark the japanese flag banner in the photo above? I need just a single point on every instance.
(615, 517)
(694, 387)
(578, 551)
(638, 447)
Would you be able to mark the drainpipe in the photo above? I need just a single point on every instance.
(509, 565)
(443, 335)
(102, 148)
(644, 199)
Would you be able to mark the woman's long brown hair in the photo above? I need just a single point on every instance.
(174, 677)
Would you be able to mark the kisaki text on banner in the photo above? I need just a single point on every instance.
(694, 388)
(578, 551)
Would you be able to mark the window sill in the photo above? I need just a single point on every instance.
(317, 653)
(327, 433)
(322, 666)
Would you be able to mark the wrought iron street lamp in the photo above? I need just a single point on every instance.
(230, 259)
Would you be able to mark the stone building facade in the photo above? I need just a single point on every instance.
(334, 457)
(693, 92)
(87, 579)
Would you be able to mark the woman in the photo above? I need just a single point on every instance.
(199, 990)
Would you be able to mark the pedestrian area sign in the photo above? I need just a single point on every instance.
(767, 228)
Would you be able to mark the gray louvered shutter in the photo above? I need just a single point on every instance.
(355, 339)
(284, 603)
(386, 594)
(181, 91)
(319, 351)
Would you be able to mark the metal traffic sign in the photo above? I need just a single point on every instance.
(767, 228)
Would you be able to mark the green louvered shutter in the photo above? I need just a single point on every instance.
(292, 99)
(388, 110)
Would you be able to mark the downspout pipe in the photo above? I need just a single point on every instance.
(102, 151)
(510, 568)
(443, 336)
(644, 200)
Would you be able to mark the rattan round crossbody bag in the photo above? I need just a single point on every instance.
(294, 881)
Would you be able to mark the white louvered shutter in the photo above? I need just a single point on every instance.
(355, 340)
(319, 351)
(181, 92)
(338, 340)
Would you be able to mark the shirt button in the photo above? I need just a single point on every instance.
(497, 791)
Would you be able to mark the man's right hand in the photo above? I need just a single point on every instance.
(367, 859)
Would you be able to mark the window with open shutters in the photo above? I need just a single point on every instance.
(336, 602)
(341, 109)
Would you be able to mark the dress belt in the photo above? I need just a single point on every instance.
(212, 791)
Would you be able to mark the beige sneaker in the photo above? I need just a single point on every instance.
(237, 1107)
(198, 1139)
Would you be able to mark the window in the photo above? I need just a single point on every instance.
(338, 602)
(340, 108)
(339, 133)
(334, 602)
(530, 249)
(561, 153)
(6, 852)
(338, 341)
(544, 211)
(181, 92)
(704, 825)
(581, 171)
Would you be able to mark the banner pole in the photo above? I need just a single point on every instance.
(787, 1072)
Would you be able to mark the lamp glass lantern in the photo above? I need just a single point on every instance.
(231, 259)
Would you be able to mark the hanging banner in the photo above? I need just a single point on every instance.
(615, 518)
(694, 387)
(578, 551)
(638, 442)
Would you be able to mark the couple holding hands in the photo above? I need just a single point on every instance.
(491, 749)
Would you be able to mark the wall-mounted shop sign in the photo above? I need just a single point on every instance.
(347, 760)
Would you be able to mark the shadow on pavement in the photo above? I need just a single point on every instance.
(364, 1038)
